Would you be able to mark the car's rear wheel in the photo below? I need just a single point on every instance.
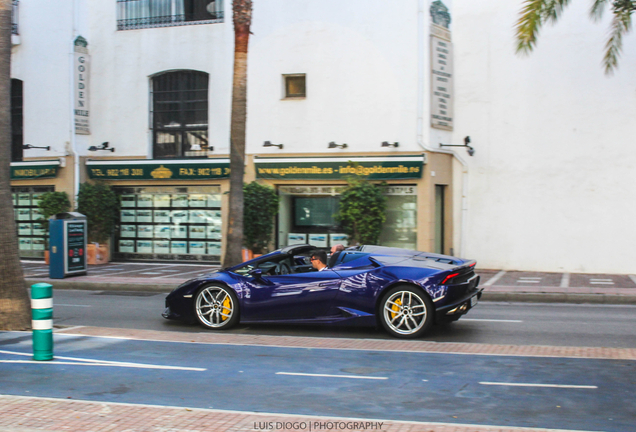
(216, 307)
(406, 311)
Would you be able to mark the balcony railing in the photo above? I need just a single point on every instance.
(14, 17)
(137, 14)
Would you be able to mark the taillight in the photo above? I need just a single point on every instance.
(450, 276)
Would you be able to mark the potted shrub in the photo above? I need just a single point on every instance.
(100, 204)
(260, 207)
(52, 203)
(362, 211)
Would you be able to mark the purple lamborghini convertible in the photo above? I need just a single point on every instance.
(404, 291)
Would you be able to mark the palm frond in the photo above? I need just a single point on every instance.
(621, 24)
(553, 9)
(598, 7)
(534, 13)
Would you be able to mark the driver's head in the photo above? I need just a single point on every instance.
(319, 259)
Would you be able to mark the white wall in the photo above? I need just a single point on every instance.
(360, 61)
(42, 62)
(124, 61)
(552, 181)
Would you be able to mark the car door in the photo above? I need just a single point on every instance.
(290, 297)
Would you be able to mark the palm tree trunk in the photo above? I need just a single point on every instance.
(15, 310)
(242, 13)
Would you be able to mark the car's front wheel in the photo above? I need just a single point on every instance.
(406, 311)
(216, 307)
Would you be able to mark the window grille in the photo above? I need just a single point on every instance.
(137, 14)
(179, 114)
(14, 17)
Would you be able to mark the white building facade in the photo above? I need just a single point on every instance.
(548, 187)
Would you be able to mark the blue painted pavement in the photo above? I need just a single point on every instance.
(424, 387)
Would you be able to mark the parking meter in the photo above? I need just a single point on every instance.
(67, 245)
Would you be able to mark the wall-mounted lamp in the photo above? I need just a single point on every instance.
(388, 144)
(104, 146)
(469, 149)
(270, 144)
(334, 145)
(29, 146)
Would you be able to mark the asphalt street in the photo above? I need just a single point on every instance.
(567, 393)
(488, 322)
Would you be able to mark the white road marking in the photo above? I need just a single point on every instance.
(495, 278)
(92, 362)
(183, 273)
(601, 283)
(528, 281)
(36, 275)
(633, 278)
(601, 280)
(152, 273)
(70, 305)
(124, 365)
(530, 277)
(69, 328)
(492, 320)
(538, 385)
(565, 280)
(331, 376)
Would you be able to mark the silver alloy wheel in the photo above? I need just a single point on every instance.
(405, 312)
(214, 306)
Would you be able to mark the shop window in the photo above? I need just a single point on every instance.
(295, 86)
(315, 212)
(17, 135)
(136, 14)
(169, 224)
(307, 215)
(400, 228)
(179, 117)
(32, 236)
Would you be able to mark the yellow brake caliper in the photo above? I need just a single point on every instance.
(227, 304)
(396, 308)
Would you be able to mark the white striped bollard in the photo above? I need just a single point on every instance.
(42, 321)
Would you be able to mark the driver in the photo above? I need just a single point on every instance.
(319, 260)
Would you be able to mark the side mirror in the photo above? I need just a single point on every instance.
(257, 273)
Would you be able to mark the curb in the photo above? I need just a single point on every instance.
(105, 286)
(525, 297)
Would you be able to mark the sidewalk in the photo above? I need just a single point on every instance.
(499, 285)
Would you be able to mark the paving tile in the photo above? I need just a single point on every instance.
(28, 414)
(517, 278)
(613, 281)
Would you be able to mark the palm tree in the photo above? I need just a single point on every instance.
(242, 17)
(535, 13)
(15, 310)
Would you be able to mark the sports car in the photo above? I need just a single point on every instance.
(403, 291)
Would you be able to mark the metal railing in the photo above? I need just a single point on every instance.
(14, 17)
(137, 14)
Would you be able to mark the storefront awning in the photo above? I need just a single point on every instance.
(152, 169)
(34, 169)
(334, 168)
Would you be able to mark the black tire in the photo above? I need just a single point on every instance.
(216, 307)
(406, 311)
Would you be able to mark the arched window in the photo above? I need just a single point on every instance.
(179, 116)
(17, 135)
